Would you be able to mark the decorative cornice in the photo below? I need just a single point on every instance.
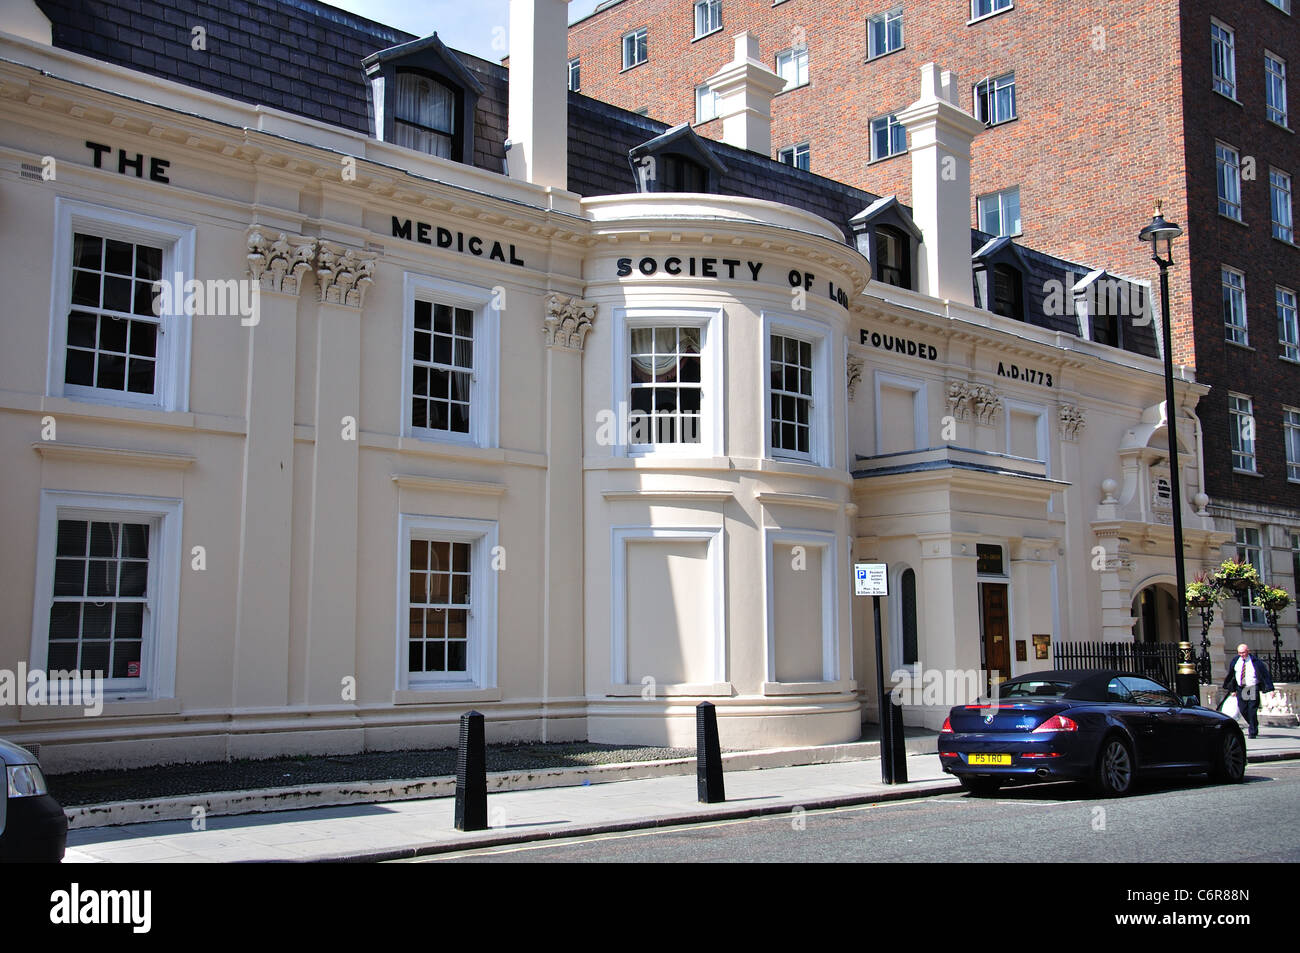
(853, 367)
(978, 400)
(567, 321)
(1073, 422)
(343, 274)
(419, 481)
(278, 264)
(82, 453)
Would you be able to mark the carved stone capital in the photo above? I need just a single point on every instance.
(344, 274)
(959, 397)
(567, 321)
(966, 399)
(278, 263)
(1072, 422)
(853, 369)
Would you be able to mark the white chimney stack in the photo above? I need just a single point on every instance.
(939, 133)
(539, 95)
(745, 88)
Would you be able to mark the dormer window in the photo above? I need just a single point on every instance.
(677, 161)
(425, 118)
(424, 99)
(1008, 298)
(885, 233)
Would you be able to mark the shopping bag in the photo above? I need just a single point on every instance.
(1230, 706)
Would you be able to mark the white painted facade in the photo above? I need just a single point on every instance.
(600, 586)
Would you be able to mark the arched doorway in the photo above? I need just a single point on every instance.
(1155, 608)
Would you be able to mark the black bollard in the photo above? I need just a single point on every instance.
(708, 755)
(896, 745)
(471, 775)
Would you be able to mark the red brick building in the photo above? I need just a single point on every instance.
(1093, 110)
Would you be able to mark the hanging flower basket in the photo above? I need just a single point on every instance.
(1271, 599)
(1238, 575)
(1201, 594)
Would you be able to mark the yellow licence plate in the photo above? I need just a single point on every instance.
(989, 759)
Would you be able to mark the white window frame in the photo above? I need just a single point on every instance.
(1288, 323)
(981, 208)
(575, 69)
(1223, 54)
(1252, 615)
(711, 323)
(994, 8)
(481, 651)
(920, 413)
(790, 156)
(159, 634)
(706, 103)
(821, 449)
(712, 11)
(987, 113)
(1280, 207)
(891, 126)
(1237, 416)
(830, 602)
(484, 404)
(1283, 5)
(1291, 441)
(1235, 333)
(878, 25)
(795, 57)
(172, 366)
(715, 539)
(1228, 159)
(1275, 81)
(640, 38)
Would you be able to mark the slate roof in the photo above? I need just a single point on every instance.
(304, 57)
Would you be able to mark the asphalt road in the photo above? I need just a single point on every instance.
(1185, 822)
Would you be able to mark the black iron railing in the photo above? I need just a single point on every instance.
(1284, 666)
(1158, 661)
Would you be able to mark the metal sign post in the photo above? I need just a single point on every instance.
(872, 579)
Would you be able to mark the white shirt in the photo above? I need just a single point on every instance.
(1245, 672)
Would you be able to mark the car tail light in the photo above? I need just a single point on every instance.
(1041, 754)
(947, 726)
(948, 754)
(1057, 723)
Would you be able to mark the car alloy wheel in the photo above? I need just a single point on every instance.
(1232, 758)
(1114, 769)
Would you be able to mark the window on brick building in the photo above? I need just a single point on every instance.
(792, 66)
(888, 137)
(885, 33)
(1228, 174)
(1288, 332)
(634, 48)
(1279, 196)
(798, 156)
(995, 99)
(999, 212)
(1234, 306)
(984, 8)
(1275, 88)
(1249, 550)
(706, 103)
(1291, 427)
(1285, 7)
(1223, 59)
(708, 17)
(1242, 432)
(575, 75)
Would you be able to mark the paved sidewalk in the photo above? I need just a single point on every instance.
(386, 831)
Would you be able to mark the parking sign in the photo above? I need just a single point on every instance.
(871, 579)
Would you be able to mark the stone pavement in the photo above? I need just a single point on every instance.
(408, 828)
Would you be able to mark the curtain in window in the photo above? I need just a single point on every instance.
(425, 115)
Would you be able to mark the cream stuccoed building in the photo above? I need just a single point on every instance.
(326, 420)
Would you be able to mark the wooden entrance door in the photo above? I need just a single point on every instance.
(995, 625)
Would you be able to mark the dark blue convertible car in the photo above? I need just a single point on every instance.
(1102, 727)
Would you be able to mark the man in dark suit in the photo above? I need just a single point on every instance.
(1249, 678)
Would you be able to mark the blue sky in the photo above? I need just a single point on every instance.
(473, 26)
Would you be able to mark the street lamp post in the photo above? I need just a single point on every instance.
(1161, 234)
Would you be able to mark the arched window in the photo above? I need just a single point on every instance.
(907, 616)
(425, 116)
